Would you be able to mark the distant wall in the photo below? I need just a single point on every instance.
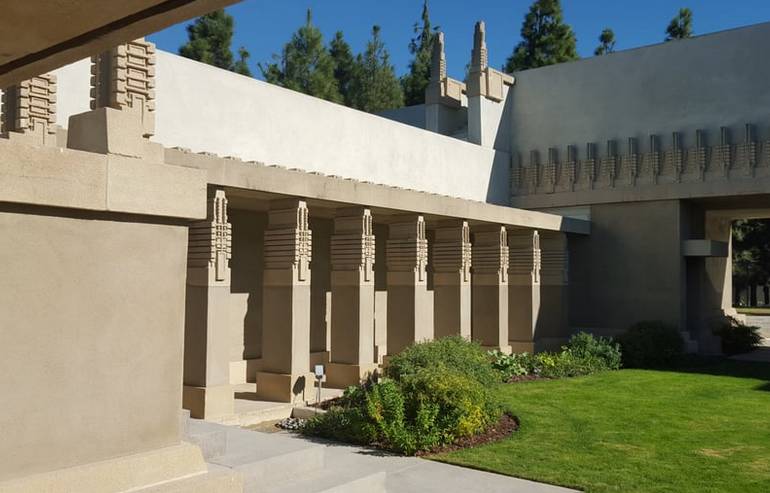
(706, 82)
(408, 115)
(207, 109)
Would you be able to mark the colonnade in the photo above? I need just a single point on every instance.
(482, 281)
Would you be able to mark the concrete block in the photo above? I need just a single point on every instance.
(282, 387)
(340, 375)
(208, 402)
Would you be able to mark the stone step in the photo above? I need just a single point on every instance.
(211, 438)
(217, 480)
(331, 481)
(267, 458)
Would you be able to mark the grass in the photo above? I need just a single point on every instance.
(703, 429)
(754, 311)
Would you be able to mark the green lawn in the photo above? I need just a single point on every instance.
(706, 429)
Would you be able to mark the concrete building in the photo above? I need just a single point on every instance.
(178, 230)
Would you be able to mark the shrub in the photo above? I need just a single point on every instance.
(512, 365)
(651, 344)
(601, 352)
(449, 354)
(437, 392)
(737, 337)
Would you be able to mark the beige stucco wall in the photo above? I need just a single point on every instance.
(90, 339)
(630, 268)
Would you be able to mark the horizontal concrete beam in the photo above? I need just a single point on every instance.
(55, 177)
(705, 248)
(277, 180)
(39, 36)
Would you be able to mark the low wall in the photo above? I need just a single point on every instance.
(203, 108)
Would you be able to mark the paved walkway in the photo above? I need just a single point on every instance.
(288, 463)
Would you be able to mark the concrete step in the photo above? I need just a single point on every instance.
(332, 481)
(211, 438)
(268, 458)
(690, 345)
(217, 480)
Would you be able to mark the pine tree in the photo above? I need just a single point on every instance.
(375, 86)
(606, 42)
(209, 40)
(344, 65)
(680, 26)
(421, 46)
(304, 65)
(546, 39)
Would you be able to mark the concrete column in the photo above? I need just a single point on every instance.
(452, 279)
(207, 390)
(285, 375)
(408, 310)
(489, 286)
(553, 322)
(352, 286)
(523, 289)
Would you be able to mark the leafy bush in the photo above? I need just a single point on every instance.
(451, 354)
(600, 351)
(437, 392)
(737, 337)
(512, 365)
(651, 344)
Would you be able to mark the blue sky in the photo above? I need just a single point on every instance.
(263, 26)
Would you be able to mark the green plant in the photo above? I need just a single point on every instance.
(650, 344)
(600, 352)
(737, 337)
(449, 354)
(512, 365)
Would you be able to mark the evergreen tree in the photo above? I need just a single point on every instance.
(546, 39)
(344, 65)
(680, 26)
(421, 46)
(606, 42)
(751, 256)
(209, 40)
(305, 65)
(374, 86)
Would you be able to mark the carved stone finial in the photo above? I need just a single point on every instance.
(438, 60)
(30, 108)
(123, 78)
(479, 57)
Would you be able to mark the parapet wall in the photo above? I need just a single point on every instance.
(203, 108)
(669, 113)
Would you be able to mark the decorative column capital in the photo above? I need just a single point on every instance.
(555, 258)
(407, 247)
(452, 248)
(29, 108)
(352, 244)
(525, 256)
(491, 253)
(288, 239)
(123, 78)
(210, 241)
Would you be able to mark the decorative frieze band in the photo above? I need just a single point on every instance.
(407, 247)
(725, 158)
(210, 241)
(30, 107)
(123, 78)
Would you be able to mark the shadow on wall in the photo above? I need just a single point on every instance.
(498, 188)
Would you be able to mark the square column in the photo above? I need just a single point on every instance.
(553, 322)
(352, 286)
(408, 300)
(207, 390)
(452, 279)
(285, 374)
(523, 289)
(489, 286)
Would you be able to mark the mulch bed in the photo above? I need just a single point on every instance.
(503, 429)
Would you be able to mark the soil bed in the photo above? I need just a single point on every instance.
(503, 429)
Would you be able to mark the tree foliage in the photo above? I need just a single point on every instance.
(680, 26)
(606, 42)
(374, 86)
(344, 65)
(546, 39)
(751, 254)
(416, 80)
(305, 65)
(209, 40)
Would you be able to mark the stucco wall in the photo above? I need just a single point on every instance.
(706, 82)
(90, 337)
(207, 109)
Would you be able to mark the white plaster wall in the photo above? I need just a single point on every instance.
(706, 82)
(206, 109)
